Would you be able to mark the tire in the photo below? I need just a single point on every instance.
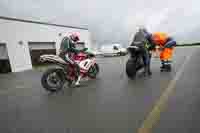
(131, 69)
(93, 71)
(45, 81)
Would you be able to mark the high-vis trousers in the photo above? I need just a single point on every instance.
(166, 54)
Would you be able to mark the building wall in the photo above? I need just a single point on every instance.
(12, 32)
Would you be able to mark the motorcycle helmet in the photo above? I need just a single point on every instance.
(74, 36)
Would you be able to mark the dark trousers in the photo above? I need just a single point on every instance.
(146, 59)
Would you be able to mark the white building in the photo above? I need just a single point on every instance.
(18, 37)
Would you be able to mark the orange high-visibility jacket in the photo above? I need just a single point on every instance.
(159, 38)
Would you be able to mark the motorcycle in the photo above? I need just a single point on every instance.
(135, 61)
(54, 78)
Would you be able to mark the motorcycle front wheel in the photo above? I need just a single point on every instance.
(52, 80)
(131, 68)
(93, 71)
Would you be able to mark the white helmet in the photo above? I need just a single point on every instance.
(75, 36)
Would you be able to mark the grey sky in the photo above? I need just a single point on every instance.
(113, 20)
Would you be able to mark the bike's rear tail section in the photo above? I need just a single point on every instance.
(53, 59)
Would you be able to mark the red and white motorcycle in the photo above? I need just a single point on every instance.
(54, 78)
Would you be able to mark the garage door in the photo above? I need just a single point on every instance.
(40, 48)
(3, 51)
(4, 59)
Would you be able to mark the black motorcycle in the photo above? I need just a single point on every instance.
(135, 61)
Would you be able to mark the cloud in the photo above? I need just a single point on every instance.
(111, 20)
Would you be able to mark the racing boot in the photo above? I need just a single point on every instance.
(77, 83)
(78, 75)
(162, 65)
(166, 66)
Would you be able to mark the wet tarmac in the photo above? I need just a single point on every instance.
(111, 103)
(182, 112)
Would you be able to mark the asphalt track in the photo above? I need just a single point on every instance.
(111, 103)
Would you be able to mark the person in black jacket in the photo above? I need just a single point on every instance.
(142, 37)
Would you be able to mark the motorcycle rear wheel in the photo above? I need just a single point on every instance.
(52, 80)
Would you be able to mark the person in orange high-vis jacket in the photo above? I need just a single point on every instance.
(166, 45)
